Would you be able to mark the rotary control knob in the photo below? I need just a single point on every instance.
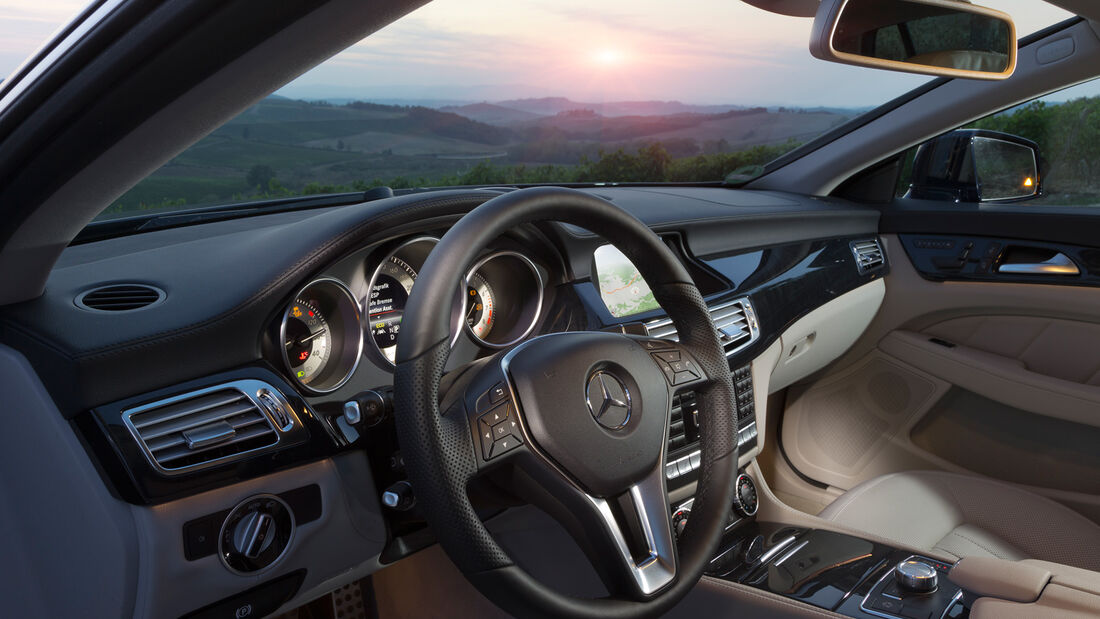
(680, 520)
(745, 501)
(255, 534)
(916, 576)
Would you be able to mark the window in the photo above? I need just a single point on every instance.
(1066, 127)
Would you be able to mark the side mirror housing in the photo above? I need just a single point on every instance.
(932, 37)
(976, 165)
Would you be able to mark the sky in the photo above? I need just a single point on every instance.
(694, 51)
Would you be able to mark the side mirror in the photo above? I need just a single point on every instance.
(933, 37)
(976, 165)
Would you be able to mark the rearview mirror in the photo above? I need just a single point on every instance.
(976, 165)
(933, 37)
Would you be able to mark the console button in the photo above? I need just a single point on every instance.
(909, 611)
(497, 394)
(886, 605)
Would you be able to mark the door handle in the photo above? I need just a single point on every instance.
(1058, 264)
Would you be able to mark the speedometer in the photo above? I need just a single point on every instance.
(390, 291)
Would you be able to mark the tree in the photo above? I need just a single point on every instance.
(260, 176)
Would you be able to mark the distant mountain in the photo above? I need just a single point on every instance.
(549, 106)
(491, 114)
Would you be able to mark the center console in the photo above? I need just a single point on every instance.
(837, 572)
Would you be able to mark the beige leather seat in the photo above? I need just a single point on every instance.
(960, 516)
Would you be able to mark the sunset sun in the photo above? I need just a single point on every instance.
(608, 57)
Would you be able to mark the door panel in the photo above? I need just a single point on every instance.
(1062, 349)
(996, 378)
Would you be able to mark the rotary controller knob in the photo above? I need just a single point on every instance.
(916, 576)
(255, 534)
(745, 501)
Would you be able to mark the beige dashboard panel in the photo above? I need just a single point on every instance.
(820, 337)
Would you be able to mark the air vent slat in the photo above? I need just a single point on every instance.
(868, 254)
(188, 407)
(208, 426)
(733, 320)
(182, 451)
(119, 297)
(177, 438)
(193, 421)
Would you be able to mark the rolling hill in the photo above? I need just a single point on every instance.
(282, 146)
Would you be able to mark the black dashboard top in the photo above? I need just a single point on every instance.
(225, 281)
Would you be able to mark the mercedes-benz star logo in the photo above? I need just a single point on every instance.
(608, 400)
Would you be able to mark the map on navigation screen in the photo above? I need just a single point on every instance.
(621, 285)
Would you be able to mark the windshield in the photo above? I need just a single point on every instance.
(534, 91)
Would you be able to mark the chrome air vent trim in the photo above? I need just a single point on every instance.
(735, 322)
(212, 426)
(868, 254)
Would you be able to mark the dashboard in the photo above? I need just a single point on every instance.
(254, 389)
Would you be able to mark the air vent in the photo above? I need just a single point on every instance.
(120, 298)
(868, 254)
(735, 321)
(211, 426)
(683, 430)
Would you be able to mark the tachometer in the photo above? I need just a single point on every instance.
(503, 299)
(388, 294)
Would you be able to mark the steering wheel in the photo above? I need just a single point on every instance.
(578, 419)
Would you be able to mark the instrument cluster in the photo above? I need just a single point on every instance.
(327, 328)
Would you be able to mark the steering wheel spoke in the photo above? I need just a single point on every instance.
(638, 526)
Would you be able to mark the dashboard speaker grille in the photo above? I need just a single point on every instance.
(735, 322)
(211, 426)
(868, 254)
(119, 297)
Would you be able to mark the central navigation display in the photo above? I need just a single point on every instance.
(622, 288)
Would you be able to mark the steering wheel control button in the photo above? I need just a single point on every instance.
(508, 443)
(655, 344)
(678, 369)
(497, 394)
(670, 374)
(499, 431)
(608, 400)
(916, 576)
